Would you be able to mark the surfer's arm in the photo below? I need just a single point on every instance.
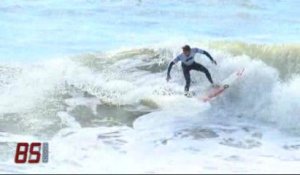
(169, 70)
(170, 67)
(209, 56)
(206, 54)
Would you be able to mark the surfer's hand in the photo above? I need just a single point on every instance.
(168, 77)
(214, 61)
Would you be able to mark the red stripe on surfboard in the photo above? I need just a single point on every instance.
(214, 94)
(218, 91)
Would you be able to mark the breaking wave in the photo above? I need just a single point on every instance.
(133, 82)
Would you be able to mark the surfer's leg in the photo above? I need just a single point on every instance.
(199, 67)
(187, 77)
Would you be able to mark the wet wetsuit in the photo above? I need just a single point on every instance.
(188, 63)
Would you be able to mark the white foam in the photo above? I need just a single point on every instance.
(237, 132)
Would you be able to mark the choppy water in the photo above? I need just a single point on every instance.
(89, 78)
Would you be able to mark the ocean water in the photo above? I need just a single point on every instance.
(88, 77)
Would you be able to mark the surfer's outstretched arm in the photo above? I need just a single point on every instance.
(170, 67)
(169, 70)
(206, 54)
(209, 56)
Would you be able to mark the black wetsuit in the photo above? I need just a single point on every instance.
(189, 64)
(195, 66)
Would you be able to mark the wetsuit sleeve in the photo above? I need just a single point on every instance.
(170, 67)
(176, 59)
(172, 63)
(197, 50)
(208, 55)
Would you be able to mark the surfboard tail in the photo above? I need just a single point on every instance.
(225, 84)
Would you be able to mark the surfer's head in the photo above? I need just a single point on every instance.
(186, 50)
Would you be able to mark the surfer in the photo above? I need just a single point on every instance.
(188, 63)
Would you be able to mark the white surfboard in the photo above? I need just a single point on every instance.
(225, 84)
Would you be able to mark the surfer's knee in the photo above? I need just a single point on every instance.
(204, 69)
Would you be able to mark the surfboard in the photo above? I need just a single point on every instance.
(225, 84)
